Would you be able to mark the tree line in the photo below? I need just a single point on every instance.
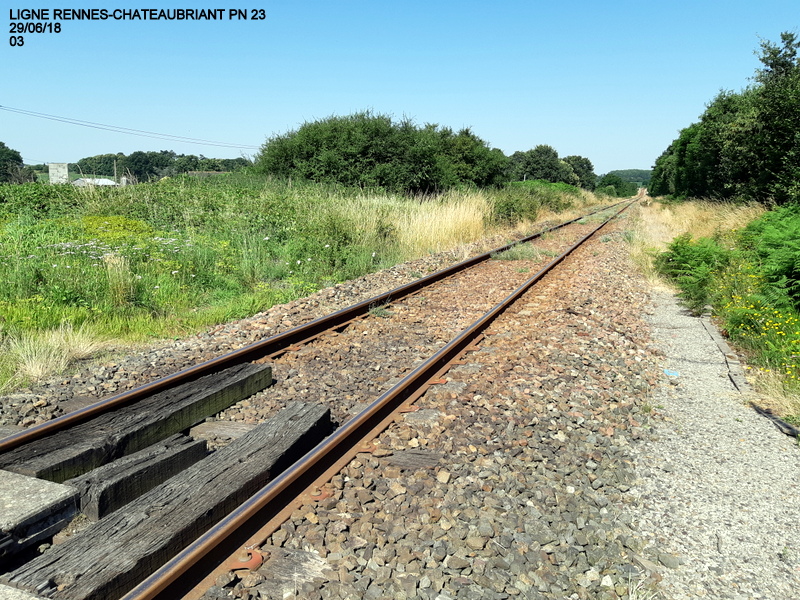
(369, 151)
(138, 166)
(143, 166)
(746, 144)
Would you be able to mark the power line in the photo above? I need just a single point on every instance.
(126, 130)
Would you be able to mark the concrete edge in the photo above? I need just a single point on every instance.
(737, 377)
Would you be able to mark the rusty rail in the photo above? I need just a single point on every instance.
(182, 573)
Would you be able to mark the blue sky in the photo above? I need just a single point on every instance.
(612, 81)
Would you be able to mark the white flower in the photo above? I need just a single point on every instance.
(266, 238)
(373, 254)
(299, 261)
(327, 245)
(54, 266)
(308, 260)
(173, 272)
(155, 287)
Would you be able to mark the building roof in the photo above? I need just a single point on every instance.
(86, 181)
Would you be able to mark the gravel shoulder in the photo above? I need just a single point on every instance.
(719, 489)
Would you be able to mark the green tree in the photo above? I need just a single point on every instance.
(209, 164)
(10, 163)
(778, 108)
(373, 151)
(584, 170)
(621, 188)
(185, 163)
(147, 165)
(745, 144)
(101, 164)
(541, 162)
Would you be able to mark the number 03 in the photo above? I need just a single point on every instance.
(16, 40)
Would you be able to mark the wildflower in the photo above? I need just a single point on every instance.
(173, 272)
(308, 260)
(373, 254)
(327, 245)
(299, 261)
(266, 238)
(155, 287)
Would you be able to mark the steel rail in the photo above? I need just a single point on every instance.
(188, 568)
(270, 346)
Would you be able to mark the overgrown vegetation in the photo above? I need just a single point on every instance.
(168, 258)
(747, 144)
(751, 277)
(522, 200)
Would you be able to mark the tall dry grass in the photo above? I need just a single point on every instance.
(657, 224)
(456, 218)
(35, 355)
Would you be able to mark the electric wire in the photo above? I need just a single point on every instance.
(127, 130)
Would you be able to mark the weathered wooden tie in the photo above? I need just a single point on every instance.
(73, 452)
(112, 486)
(111, 556)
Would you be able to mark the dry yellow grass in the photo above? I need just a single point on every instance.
(449, 222)
(657, 224)
(773, 393)
(35, 355)
(661, 223)
(454, 219)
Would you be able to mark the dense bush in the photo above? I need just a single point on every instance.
(373, 151)
(613, 185)
(521, 200)
(774, 241)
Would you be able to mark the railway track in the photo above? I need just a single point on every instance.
(273, 503)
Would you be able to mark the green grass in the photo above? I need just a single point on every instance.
(518, 252)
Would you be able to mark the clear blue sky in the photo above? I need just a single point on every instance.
(612, 81)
